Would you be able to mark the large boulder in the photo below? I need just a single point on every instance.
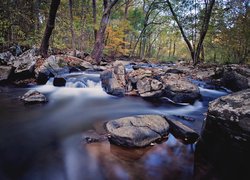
(6, 58)
(228, 120)
(137, 131)
(179, 89)
(148, 87)
(58, 65)
(235, 80)
(113, 80)
(25, 63)
(234, 77)
(5, 72)
(33, 96)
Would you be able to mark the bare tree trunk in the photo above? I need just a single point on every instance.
(99, 42)
(83, 20)
(195, 52)
(94, 17)
(191, 50)
(37, 13)
(49, 27)
(174, 49)
(208, 12)
(170, 48)
(72, 26)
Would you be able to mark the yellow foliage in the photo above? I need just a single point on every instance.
(117, 37)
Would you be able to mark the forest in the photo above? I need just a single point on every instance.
(124, 89)
(157, 30)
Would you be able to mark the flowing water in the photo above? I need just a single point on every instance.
(44, 141)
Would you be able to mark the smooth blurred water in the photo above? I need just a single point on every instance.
(43, 141)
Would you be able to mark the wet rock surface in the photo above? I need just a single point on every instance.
(113, 80)
(137, 131)
(59, 81)
(33, 96)
(58, 65)
(25, 63)
(5, 72)
(180, 89)
(228, 119)
(150, 83)
(181, 131)
(6, 58)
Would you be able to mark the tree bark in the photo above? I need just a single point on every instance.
(72, 26)
(196, 50)
(208, 12)
(100, 37)
(49, 27)
(37, 14)
(94, 17)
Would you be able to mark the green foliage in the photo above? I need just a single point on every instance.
(227, 40)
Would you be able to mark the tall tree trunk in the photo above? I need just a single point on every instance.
(170, 48)
(72, 26)
(83, 20)
(196, 50)
(37, 14)
(174, 49)
(191, 50)
(206, 20)
(100, 37)
(94, 17)
(49, 27)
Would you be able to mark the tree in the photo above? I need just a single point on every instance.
(195, 51)
(94, 17)
(100, 37)
(49, 27)
(72, 25)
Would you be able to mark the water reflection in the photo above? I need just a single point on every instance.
(170, 159)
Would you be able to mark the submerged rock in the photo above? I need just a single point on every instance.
(228, 120)
(33, 96)
(181, 131)
(137, 131)
(113, 80)
(179, 89)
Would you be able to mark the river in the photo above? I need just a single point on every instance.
(44, 141)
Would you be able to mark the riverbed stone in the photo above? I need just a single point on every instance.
(6, 58)
(33, 96)
(181, 131)
(228, 120)
(58, 65)
(179, 89)
(148, 87)
(113, 80)
(59, 81)
(25, 63)
(137, 131)
(5, 72)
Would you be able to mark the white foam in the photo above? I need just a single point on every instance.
(212, 91)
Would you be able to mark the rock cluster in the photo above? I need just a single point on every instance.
(148, 83)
